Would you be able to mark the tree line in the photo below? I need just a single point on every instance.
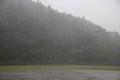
(31, 33)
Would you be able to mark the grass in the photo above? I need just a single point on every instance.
(56, 67)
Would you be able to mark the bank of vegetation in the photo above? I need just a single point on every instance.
(31, 33)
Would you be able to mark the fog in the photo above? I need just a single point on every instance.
(102, 12)
(34, 34)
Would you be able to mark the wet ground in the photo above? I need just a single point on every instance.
(61, 75)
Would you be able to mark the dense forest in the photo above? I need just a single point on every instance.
(31, 33)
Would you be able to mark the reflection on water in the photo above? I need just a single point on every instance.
(19, 79)
(61, 75)
(92, 78)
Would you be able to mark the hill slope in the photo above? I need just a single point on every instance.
(31, 33)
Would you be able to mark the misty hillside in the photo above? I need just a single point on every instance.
(31, 33)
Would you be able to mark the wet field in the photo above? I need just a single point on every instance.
(61, 75)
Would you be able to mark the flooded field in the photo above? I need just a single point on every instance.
(61, 75)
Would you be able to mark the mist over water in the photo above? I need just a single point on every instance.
(39, 42)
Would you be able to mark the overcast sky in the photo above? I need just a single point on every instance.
(105, 13)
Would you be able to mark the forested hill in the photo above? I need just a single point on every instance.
(31, 33)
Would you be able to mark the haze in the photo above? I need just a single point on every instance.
(102, 12)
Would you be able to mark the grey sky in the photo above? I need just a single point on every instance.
(105, 13)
